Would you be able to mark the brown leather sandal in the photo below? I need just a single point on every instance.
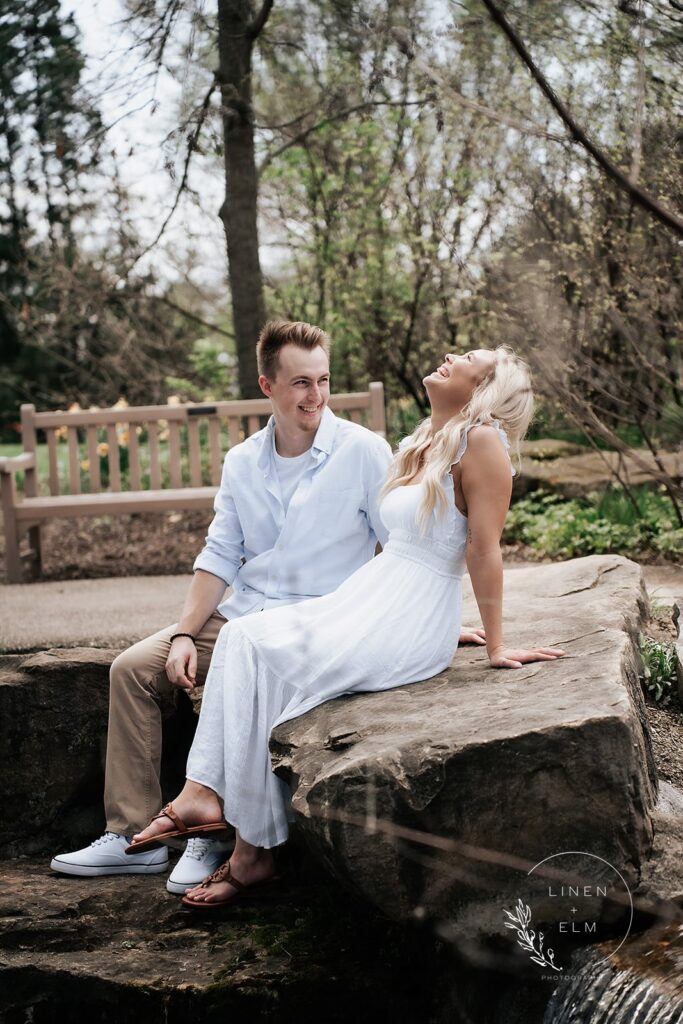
(224, 874)
(181, 831)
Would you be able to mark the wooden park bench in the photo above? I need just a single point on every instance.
(174, 456)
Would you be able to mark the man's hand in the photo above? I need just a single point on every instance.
(512, 657)
(181, 664)
(468, 635)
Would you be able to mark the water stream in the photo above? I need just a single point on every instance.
(641, 984)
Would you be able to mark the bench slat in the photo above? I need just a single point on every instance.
(74, 467)
(194, 452)
(356, 416)
(93, 460)
(134, 458)
(254, 425)
(174, 454)
(233, 430)
(215, 449)
(52, 461)
(113, 458)
(154, 464)
(70, 505)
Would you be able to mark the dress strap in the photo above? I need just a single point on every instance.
(463, 440)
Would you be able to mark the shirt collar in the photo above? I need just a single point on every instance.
(324, 435)
(320, 449)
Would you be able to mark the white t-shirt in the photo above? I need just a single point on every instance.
(289, 472)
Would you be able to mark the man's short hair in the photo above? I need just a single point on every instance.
(277, 333)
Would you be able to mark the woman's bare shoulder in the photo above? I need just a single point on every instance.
(485, 454)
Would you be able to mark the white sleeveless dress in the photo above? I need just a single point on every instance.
(396, 620)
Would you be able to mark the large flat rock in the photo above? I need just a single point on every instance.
(122, 949)
(436, 798)
(574, 471)
(53, 734)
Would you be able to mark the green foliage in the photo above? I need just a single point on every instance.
(214, 373)
(597, 524)
(659, 665)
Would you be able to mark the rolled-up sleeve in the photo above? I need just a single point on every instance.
(377, 462)
(223, 549)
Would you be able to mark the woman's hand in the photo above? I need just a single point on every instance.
(515, 657)
(468, 635)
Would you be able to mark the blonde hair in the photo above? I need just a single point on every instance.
(504, 395)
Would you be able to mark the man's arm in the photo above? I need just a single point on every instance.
(378, 458)
(224, 544)
(202, 599)
(215, 567)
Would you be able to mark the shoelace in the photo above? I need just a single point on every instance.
(106, 838)
(197, 847)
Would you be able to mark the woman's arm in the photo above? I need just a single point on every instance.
(486, 483)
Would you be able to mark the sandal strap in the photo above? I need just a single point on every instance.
(223, 874)
(168, 812)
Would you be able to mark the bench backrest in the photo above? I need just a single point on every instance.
(156, 446)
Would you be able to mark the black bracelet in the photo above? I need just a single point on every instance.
(193, 639)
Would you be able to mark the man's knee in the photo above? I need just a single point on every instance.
(130, 671)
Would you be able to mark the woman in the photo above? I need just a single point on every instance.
(394, 621)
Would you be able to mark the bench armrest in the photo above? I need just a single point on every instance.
(15, 463)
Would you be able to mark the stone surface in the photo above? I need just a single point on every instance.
(520, 763)
(662, 874)
(53, 731)
(124, 949)
(574, 475)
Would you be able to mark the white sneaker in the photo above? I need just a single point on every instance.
(201, 858)
(106, 856)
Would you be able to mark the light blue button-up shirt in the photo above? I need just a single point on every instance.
(330, 529)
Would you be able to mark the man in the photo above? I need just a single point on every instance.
(295, 514)
(308, 474)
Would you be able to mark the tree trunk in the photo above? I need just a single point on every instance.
(237, 30)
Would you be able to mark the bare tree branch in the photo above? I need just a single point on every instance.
(639, 196)
(191, 146)
(258, 24)
(298, 139)
(407, 47)
(191, 316)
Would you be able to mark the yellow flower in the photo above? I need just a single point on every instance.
(122, 436)
(74, 407)
(121, 404)
(61, 433)
(85, 464)
(173, 400)
(103, 449)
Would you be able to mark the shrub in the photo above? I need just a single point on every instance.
(600, 523)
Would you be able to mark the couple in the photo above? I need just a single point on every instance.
(297, 516)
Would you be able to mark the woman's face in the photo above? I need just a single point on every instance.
(457, 377)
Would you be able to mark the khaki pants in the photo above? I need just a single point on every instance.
(139, 685)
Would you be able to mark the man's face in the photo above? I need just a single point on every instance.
(301, 388)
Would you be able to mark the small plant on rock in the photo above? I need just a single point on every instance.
(658, 673)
